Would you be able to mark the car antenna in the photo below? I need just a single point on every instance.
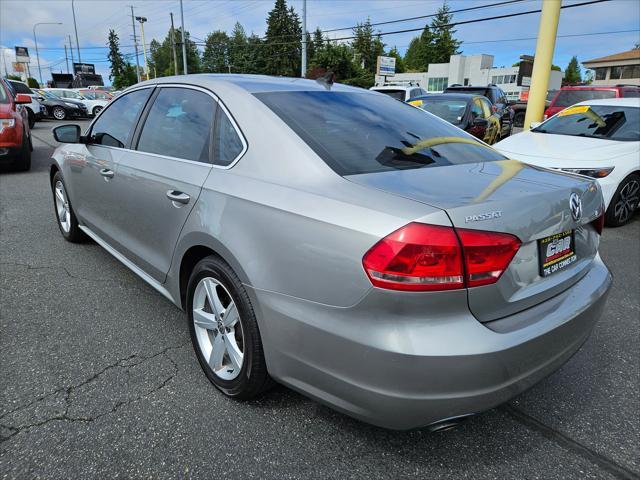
(327, 79)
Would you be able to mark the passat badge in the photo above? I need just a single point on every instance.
(575, 205)
(483, 216)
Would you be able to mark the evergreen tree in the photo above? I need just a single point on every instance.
(215, 58)
(572, 74)
(443, 43)
(413, 57)
(400, 67)
(318, 39)
(116, 60)
(367, 46)
(282, 50)
(238, 49)
(255, 61)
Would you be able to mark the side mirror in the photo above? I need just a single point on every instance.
(22, 98)
(534, 125)
(480, 122)
(67, 134)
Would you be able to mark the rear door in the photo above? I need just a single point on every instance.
(160, 181)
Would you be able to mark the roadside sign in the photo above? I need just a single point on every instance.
(386, 65)
(22, 55)
(84, 68)
(524, 95)
(526, 81)
(18, 67)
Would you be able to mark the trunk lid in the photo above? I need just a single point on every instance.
(511, 197)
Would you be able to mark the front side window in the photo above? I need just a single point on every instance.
(595, 121)
(115, 126)
(487, 108)
(179, 124)
(451, 110)
(228, 144)
(362, 133)
(476, 109)
(71, 94)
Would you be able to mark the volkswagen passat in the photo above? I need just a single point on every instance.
(357, 249)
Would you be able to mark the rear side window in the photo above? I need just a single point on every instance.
(363, 133)
(20, 87)
(115, 126)
(179, 124)
(567, 98)
(228, 144)
(4, 96)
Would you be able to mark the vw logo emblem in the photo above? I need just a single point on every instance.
(575, 205)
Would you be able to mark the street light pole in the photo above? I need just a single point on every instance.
(73, 9)
(144, 45)
(35, 40)
(304, 39)
(184, 45)
(135, 45)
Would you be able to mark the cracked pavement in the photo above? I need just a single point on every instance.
(98, 379)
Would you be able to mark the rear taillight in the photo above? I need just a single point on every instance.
(420, 257)
(598, 223)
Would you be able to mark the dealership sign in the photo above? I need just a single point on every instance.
(84, 68)
(22, 55)
(386, 66)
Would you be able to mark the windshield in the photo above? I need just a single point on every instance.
(451, 110)
(595, 121)
(363, 133)
(397, 94)
(567, 98)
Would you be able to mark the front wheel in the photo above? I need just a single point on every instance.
(67, 222)
(224, 330)
(96, 110)
(59, 113)
(624, 202)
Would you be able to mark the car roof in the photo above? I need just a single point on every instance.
(470, 87)
(394, 87)
(614, 102)
(252, 83)
(460, 96)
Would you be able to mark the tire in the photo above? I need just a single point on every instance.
(32, 118)
(96, 110)
(59, 113)
(23, 162)
(212, 276)
(624, 202)
(518, 119)
(69, 227)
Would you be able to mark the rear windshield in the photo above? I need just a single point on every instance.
(596, 121)
(20, 87)
(567, 98)
(363, 133)
(470, 90)
(451, 110)
(397, 94)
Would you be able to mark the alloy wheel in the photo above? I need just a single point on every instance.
(62, 207)
(628, 199)
(218, 328)
(59, 113)
(96, 111)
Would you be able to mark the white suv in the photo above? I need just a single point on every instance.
(34, 109)
(404, 93)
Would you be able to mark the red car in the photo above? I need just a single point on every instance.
(15, 135)
(568, 96)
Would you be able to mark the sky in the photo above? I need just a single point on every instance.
(505, 39)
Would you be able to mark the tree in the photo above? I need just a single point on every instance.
(367, 46)
(116, 74)
(282, 49)
(32, 83)
(161, 62)
(572, 74)
(337, 59)
(215, 58)
(238, 49)
(443, 44)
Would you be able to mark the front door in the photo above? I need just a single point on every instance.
(160, 181)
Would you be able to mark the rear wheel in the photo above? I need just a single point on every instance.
(59, 113)
(224, 330)
(32, 118)
(518, 119)
(67, 222)
(624, 202)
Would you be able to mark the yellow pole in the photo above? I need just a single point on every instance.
(542, 63)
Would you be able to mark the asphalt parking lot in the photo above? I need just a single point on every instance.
(99, 381)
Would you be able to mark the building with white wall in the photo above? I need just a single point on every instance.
(470, 70)
(618, 68)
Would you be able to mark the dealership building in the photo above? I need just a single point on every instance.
(473, 70)
(623, 67)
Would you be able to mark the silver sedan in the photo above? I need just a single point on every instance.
(354, 248)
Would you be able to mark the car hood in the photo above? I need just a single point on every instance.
(529, 146)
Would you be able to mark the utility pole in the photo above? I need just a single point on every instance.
(304, 39)
(66, 57)
(35, 40)
(71, 50)
(76, 29)
(184, 44)
(173, 47)
(547, 31)
(135, 44)
(144, 46)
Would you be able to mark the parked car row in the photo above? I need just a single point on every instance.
(15, 132)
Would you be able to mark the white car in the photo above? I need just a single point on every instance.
(34, 109)
(404, 93)
(597, 138)
(93, 106)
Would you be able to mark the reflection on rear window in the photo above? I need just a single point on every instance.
(571, 97)
(362, 133)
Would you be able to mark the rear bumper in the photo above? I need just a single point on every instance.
(404, 361)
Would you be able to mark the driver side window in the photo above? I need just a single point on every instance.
(115, 126)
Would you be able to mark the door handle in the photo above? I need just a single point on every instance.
(106, 173)
(176, 196)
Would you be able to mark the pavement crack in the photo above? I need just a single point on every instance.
(564, 441)
(8, 431)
